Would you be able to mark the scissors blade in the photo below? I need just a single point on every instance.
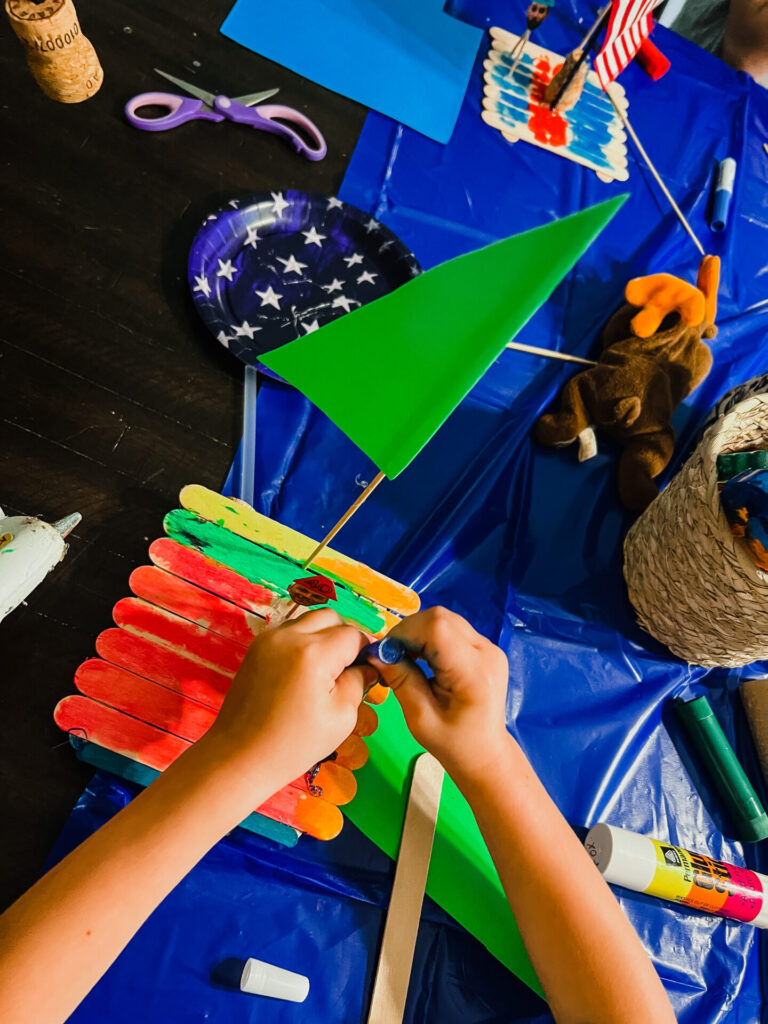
(201, 94)
(255, 97)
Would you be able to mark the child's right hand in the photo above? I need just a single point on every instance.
(459, 714)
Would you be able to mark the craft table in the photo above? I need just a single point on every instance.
(113, 394)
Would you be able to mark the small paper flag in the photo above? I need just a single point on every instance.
(390, 373)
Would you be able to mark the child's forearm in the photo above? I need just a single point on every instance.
(586, 954)
(78, 917)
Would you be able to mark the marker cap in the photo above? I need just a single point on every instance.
(262, 979)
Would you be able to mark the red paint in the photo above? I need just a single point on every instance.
(167, 667)
(194, 603)
(547, 126)
(187, 638)
(204, 572)
(157, 749)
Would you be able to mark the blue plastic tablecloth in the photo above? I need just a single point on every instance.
(527, 544)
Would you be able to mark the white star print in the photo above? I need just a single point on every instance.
(226, 269)
(308, 328)
(223, 338)
(312, 237)
(367, 277)
(252, 238)
(334, 204)
(334, 286)
(201, 285)
(343, 302)
(211, 216)
(269, 297)
(279, 203)
(386, 245)
(245, 329)
(234, 203)
(353, 259)
(292, 265)
(372, 225)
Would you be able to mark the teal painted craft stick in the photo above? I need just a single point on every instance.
(732, 783)
(261, 565)
(133, 771)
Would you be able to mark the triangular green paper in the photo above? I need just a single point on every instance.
(390, 373)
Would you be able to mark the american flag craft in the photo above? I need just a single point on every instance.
(630, 24)
(164, 669)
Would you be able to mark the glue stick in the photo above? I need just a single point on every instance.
(672, 873)
(726, 175)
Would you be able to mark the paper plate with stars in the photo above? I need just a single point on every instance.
(272, 267)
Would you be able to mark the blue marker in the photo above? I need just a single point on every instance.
(726, 175)
(389, 650)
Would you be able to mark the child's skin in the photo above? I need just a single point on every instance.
(293, 702)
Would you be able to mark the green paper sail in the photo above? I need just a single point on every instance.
(390, 373)
(462, 878)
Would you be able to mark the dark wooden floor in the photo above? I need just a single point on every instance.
(112, 393)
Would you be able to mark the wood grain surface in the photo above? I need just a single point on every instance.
(112, 393)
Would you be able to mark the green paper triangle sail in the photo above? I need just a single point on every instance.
(390, 373)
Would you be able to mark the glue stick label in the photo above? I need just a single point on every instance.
(695, 880)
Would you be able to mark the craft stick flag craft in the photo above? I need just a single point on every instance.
(223, 572)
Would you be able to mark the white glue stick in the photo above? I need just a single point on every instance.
(29, 549)
(672, 873)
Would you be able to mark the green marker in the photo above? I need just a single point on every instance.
(731, 781)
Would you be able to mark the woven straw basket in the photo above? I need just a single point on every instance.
(692, 584)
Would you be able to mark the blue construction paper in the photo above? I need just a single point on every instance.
(405, 58)
(526, 543)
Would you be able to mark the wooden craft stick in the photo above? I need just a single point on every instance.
(344, 519)
(393, 973)
(367, 721)
(654, 172)
(549, 353)
(200, 645)
(267, 568)
(173, 713)
(158, 749)
(189, 564)
(195, 604)
(251, 525)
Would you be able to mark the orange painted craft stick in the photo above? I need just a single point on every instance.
(157, 749)
(192, 602)
(189, 720)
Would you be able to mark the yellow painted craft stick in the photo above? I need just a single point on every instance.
(241, 519)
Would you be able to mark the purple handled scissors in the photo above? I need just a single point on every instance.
(208, 106)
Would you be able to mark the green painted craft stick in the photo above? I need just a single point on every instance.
(127, 768)
(462, 878)
(261, 565)
(390, 373)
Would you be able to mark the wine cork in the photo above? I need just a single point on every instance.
(62, 60)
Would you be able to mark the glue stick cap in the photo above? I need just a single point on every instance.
(263, 979)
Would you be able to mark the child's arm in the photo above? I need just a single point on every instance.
(588, 958)
(292, 703)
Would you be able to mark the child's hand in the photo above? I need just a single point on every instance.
(459, 715)
(295, 697)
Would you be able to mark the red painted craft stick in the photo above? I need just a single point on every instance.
(352, 753)
(173, 713)
(204, 572)
(157, 749)
(193, 603)
(164, 666)
(367, 721)
(201, 645)
(377, 694)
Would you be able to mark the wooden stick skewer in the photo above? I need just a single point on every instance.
(344, 519)
(631, 132)
(549, 353)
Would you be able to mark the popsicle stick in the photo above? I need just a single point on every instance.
(377, 694)
(259, 565)
(157, 749)
(631, 132)
(251, 525)
(195, 604)
(367, 721)
(352, 753)
(170, 711)
(133, 771)
(164, 666)
(393, 973)
(200, 645)
(361, 498)
(191, 565)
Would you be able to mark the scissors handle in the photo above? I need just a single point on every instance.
(271, 117)
(180, 109)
